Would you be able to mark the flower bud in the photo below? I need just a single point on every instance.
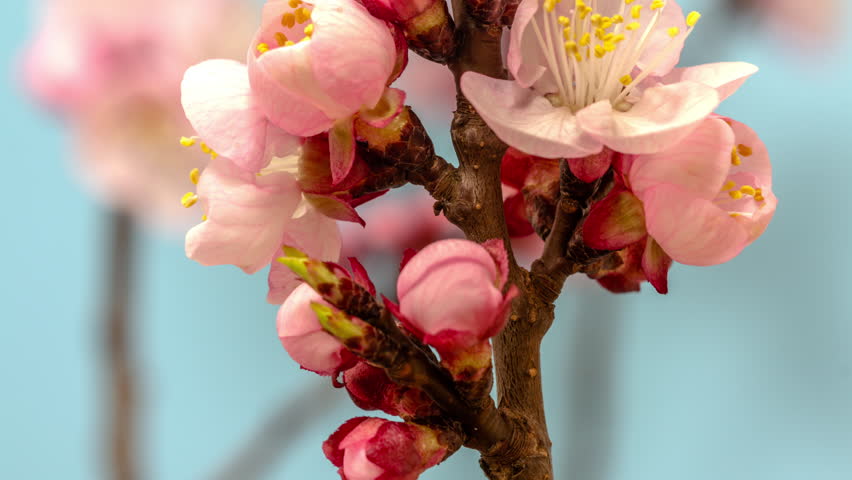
(427, 24)
(373, 448)
(451, 293)
(303, 337)
(371, 389)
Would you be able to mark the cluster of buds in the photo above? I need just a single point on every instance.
(453, 296)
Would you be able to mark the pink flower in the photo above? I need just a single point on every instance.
(701, 201)
(317, 65)
(227, 115)
(377, 449)
(600, 75)
(247, 218)
(304, 339)
(112, 70)
(451, 293)
(397, 10)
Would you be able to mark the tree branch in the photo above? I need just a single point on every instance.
(121, 431)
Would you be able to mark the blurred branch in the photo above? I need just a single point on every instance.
(590, 392)
(279, 432)
(116, 330)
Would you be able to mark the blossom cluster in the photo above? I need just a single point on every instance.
(311, 127)
(596, 84)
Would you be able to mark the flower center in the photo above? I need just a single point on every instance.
(293, 32)
(592, 57)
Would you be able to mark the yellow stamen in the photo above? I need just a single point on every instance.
(748, 190)
(673, 32)
(302, 15)
(280, 39)
(288, 20)
(729, 185)
(626, 80)
(633, 26)
(736, 194)
(204, 218)
(194, 175)
(735, 157)
(657, 4)
(309, 30)
(188, 199)
(262, 47)
(692, 18)
(636, 11)
(294, 3)
(744, 150)
(187, 142)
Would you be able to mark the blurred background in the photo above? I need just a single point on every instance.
(743, 372)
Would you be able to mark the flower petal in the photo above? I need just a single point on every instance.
(525, 120)
(699, 163)
(219, 103)
(341, 149)
(615, 222)
(691, 230)
(655, 265)
(725, 77)
(592, 167)
(662, 117)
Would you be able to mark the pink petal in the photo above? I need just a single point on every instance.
(390, 105)
(245, 221)
(592, 167)
(615, 222)
(662, 52)
(699, 163)
(440, 254)
(526, 120)
(691, 230)
(662, 117)
(655, 265)
(219, 104)
(725, 77)
(525, 61)
(341, 149)
(285, 86)
(497, 250)
(361, 276)
(353, 54)
(334, 207)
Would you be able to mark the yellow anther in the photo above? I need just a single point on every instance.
(288, 20)
(628, 2)
(692, 18)
(673, 32)
(617, 19)
(585, 39)
(729, 185)
(596, 19)
(585, 11)
(262, 47)
(294, 3)
(736, 194)
(633, 26)
(580, 4)
(636, 11)
(608, 37)
(606, 23)
(302, 15)
(571, 46)
(289, 43)
(549, 5)
(735, 214)
(304, 39)
(187, 142)
(188, 199)
(578, 57)
(280, 39)
(600, 33)
(618, 38)
(566, 33)
(204, 218)
(758, 195)
(744, 150)
(309, 30)
(626, 80)
(599, 51)
(609, 46)
(657, 4)
(564, 21)
(205, 148)
(194, 175)
(735, 157)
(748, 190)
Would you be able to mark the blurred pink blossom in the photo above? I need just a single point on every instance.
(112, 71)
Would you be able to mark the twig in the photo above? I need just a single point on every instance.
(121, 429)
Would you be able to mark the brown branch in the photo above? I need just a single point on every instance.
(120, 435)
(279, 432)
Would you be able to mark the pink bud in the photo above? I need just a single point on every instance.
(397, 10)
(305, 340)
(451, 293)
(371, 389)
(373, 448)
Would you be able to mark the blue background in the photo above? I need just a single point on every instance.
(743, 372)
